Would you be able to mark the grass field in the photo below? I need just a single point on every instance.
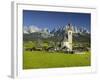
(42, 59)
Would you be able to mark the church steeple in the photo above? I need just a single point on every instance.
(70, 36)
(67, 37)
(69, 26)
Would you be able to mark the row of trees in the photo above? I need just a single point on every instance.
(39, 44)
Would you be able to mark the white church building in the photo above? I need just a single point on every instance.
(67, 39)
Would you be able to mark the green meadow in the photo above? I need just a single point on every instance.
(44, 59)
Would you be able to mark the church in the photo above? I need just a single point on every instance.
(67, 38)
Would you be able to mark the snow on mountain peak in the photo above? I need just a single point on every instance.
(31, 29)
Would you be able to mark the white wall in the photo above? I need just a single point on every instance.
(5, 37)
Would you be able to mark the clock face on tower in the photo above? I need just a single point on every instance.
(70, 33)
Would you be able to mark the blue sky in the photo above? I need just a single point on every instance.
(50, 20)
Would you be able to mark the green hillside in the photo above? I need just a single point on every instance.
(42, 59)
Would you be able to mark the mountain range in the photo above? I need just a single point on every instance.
(32, 29)
(56, 34)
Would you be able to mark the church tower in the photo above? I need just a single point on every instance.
(69, 31)
(67, 38)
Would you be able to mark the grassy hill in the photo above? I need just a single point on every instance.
(43, 59)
